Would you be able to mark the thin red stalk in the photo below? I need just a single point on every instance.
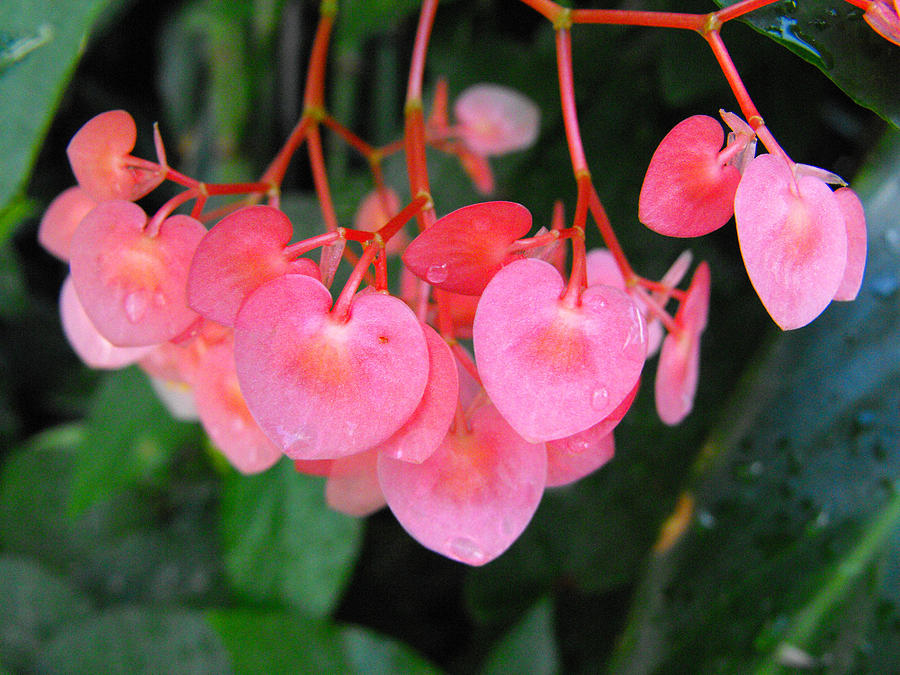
(640, 18)
(741, 8)
(657, 310)
(301, 247)
(567, 94)
(151, 229)
(278, 167)
(314, 94)
(659, 287)
(341, 309)
(609, 237)
(349, 137)
(547, 8)
(396, 223)
(420, 48)
(534, 242)
(465, 360)
(234, 188)
(320, 177)
(381, 275)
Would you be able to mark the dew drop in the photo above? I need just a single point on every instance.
(136, 304)
(160, 299)
(466, 550)
(437, 274)
(578, 444)
(599, 398)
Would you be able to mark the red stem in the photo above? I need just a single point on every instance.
(341, 309)
(567, 94)
(320, 177)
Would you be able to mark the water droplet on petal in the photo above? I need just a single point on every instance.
(599, 398)
(437, 274)
(578, 444)
(136, 304)
(160, 299)
(466, 550)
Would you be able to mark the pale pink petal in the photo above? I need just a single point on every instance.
(793, 240)
(352, 486)
(855, 219)
(495, 120)
(474, 496)
(61, 218)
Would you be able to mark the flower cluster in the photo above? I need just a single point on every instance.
(375, 385)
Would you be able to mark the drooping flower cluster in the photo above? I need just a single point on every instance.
(374, 385)
(803, 245)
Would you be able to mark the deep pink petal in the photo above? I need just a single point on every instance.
(573, 458)
(464, 249)
(427, 426)
(688, 190)
(243, 251)
(352, 486)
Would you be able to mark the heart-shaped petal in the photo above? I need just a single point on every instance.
(131, 284)
(793, 239)
(689, 189)
(225, 416)
(322, 388)
(464, 249)
(98, 154)
(551, 369)
(243, 251)
(474, 496)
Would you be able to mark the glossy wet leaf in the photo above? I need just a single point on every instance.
(40, 42)
(282, 545)
(832, 36)
(781, 535)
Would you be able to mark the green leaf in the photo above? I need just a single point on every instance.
(34, 493)
(128, 436)
(778, 547)
(369, 653)
(278, 643)
(833, 36)
(40, 42)
(529, 648)
(133, 641)
(33, 604)
(282, 545)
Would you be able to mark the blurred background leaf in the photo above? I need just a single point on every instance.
(281, 544)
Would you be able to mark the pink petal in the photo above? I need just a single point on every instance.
(225, 415)
(132, 285)
(855, 220)
(464, 249)
(575, 457)
(322, 388)
(794, 244)
(352, 486)
(243, 251)
(688, 190)
(474, 496)
(428, 425)
(554, 370)
(495, 120)
(98, 155)
(92, 348)
(61, 218)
